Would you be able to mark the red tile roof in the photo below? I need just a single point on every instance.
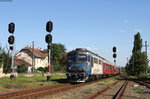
(37, 52)
(21, 62)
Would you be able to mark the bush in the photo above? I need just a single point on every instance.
(58, 68)
(143, 77)
(41, 69)
(22, 69)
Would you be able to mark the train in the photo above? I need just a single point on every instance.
(84, 65)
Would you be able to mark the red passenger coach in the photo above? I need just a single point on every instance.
(109, 69)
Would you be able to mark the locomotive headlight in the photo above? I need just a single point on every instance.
(68, 74)
(83, 74)
(69, 68)
(83, 69)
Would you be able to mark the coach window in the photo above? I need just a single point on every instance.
(100, 62)
(95, 60)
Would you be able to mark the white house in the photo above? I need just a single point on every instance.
(31, 57)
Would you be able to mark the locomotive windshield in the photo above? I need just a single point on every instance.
(71, 58)
(77, 58)
(82, 57)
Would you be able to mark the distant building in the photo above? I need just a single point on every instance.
(30, 57)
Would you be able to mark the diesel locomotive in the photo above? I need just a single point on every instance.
(84, 65)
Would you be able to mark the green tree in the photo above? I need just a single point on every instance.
(58, 51)
(1, 56)
(5, 60)
(138, 62)
(58, 54)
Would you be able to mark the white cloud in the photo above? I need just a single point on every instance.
(137, 30)
(125, 21)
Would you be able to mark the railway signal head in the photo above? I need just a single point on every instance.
(11, 39)
(48, 38)
(49, 26)
(11, 47)
(114, 61)
(11, 27)
(114, 55)
(114, 49)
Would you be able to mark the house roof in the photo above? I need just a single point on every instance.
(37, 52)
(21, 62)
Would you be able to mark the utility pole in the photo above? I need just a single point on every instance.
(133, 65)
(127, 61)
(146, 47)
(33, 62)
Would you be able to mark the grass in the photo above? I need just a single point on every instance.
(138, 90)
(107, 81)
(88, 91)
(22, 82)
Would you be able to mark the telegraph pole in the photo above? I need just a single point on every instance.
(33, 62)
(146, 47)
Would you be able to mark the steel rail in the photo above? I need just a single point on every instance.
(42, 91)
(101, 91)
(121, 91)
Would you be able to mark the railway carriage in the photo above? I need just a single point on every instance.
(84, 65)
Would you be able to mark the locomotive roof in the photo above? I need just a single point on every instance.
(84, 50)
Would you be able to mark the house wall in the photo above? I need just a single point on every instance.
(24, 56)
(39, 62)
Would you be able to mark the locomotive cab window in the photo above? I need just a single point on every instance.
(82, 57)
(71, 57)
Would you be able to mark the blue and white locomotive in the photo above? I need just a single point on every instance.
(84, 65)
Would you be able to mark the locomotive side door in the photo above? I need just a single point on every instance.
(91, 62)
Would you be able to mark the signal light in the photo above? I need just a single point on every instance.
(11, 47)
(11, 39)
(114, 49)
(49, 26)
(114, 55)
(48, 38)
(11, 27)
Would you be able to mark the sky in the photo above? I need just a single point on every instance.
(97, 25)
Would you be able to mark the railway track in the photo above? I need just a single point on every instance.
(27, 92)
(42, 91)
(116, 96)
(142, 83)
